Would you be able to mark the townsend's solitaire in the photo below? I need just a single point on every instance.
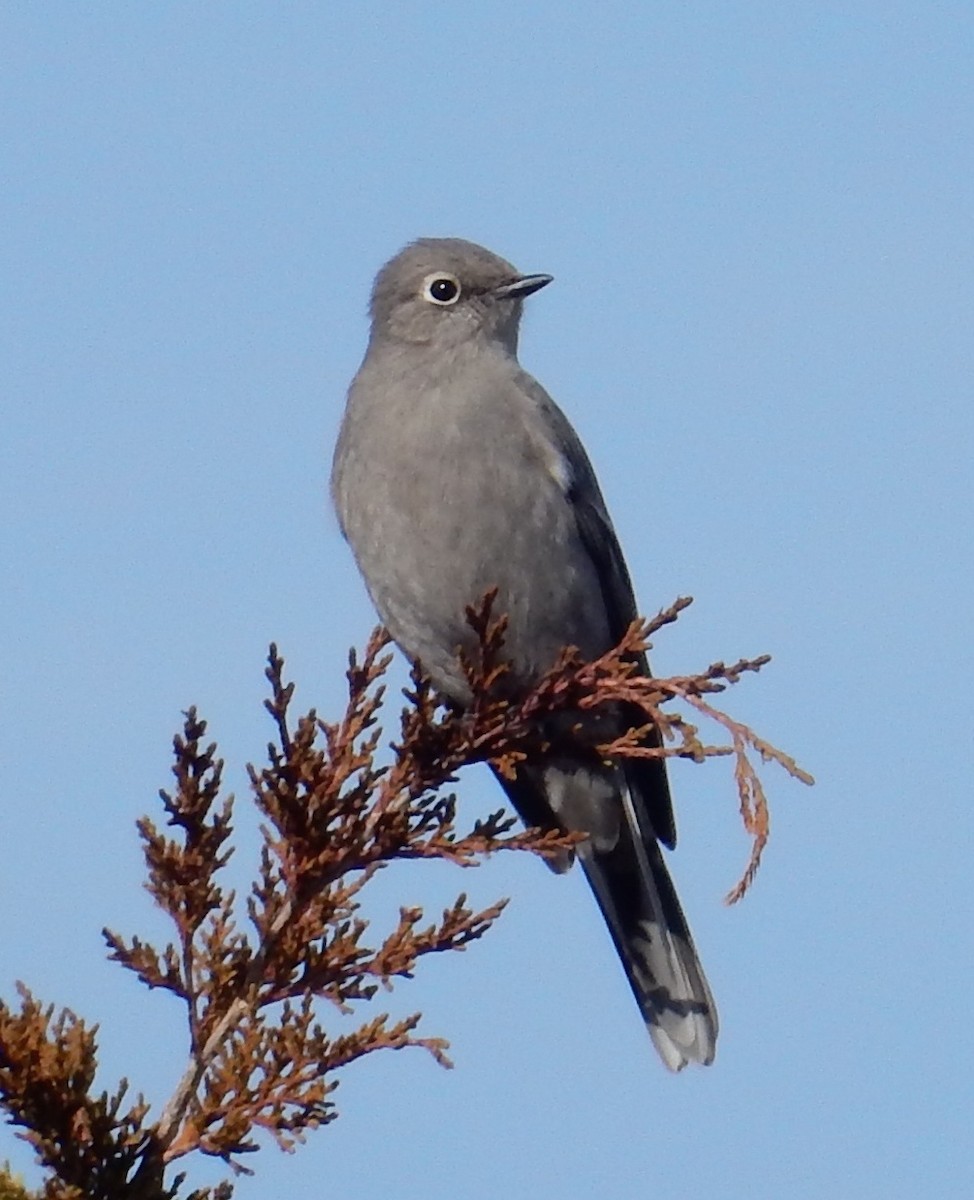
(454, 473)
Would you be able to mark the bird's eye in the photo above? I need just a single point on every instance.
(441, 289)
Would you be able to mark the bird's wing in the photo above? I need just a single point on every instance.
(649, 785)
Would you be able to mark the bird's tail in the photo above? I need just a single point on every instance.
(639, 903)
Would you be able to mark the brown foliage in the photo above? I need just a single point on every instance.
(258, 1058)
(11, 1187)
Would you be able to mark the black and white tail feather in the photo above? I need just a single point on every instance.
(651, 936)
(625, 809)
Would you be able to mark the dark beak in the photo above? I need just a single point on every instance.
(523, 286)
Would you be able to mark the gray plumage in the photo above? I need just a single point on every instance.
(455, 472)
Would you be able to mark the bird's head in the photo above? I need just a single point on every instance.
(444, 291)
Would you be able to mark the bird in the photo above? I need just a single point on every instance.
(455, 473)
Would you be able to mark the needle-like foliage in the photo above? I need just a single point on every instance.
(260, 1058)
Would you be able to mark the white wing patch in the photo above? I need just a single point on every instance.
(558, 468)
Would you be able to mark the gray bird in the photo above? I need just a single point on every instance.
(455, 472)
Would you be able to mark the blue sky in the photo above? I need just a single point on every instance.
(759, 218)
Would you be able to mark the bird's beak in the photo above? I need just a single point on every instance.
(523, 286)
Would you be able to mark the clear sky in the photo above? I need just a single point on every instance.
(760, 221)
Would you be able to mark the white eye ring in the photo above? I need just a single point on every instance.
(442, 289)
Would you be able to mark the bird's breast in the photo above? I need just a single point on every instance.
(463, 497)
